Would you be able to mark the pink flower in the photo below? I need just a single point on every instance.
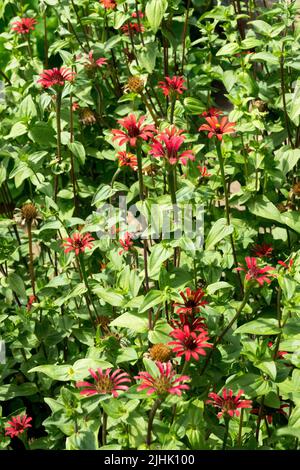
(167, 145)
(194, 323)
(217, 128)
(288, 265)
(228, 403)
(132, 28)
(203, 171)
(78, 242)
(17, 425)
(75, 106)
(255, 273)
(134, 15)
(56, 77)
(262, 251)
(90, 62)
(211, 112)
(189, 344)
(133, 130)
(105, 383)
(171, 86)
(127, 159)
(126, 243)
(108, 4)
(24, 25)
(165, 382)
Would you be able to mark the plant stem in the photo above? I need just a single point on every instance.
(58, 137)
(225, 433)
(239, 440)
(184, 33)
(287, 123)
(85, 280)
(31, 269)
(227, 208)
(45, 40)
(152, 413)
(104, 427)
(173, 102)
(73, 177)
(260, 415)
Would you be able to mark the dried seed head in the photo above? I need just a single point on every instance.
(260, 105)
(134, 84)
(150, 170)
(160, 352)
(296, 189)
(29, 212)
(103, 321)
(87, 116)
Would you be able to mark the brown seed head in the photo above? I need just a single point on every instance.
(87, 117)
(160, 352)
(135, 85)
(29, 213)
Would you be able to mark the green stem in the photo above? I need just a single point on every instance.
(85, 280)
(152, 413)
(184, 33)
(31, 269)
(58, 137)
(286, 117)
(226, 433)
(173, 102)
(239, 440)
(104, 427)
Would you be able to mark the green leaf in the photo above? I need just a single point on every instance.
(55, 372)
(8, 392)
(78, 150)
(155, 10)
(229, 49)
(269, 367)
(110, 296)
(137, 323)
(219, 230)
(158, 255)
(17, 129)
(152, 298)
(265, 57)
(82, 440)
(287, 159)
(261, 326)
(16, 283)
(193, 105)
(161, 331)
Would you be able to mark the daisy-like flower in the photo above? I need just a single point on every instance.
(189, 344)
(262, 251)
(132, 28)
(288, 265)
(268, 413)
(160, 352)
(192, 301)
(165, 382)
(24, 25)
(167, 145)
(134, 130)
(56, 77)
(172, 86)
(78, 242)
(87, 116)
(228, 403)
(203, 171)
(127, 159)
(211, 112)
(126, 243)
(105, 383)
(91, 63)
(194, 324)
(17, 425)
(217, 128)
(75, 106)
(27, 215)
(108, 4)
(255, 273)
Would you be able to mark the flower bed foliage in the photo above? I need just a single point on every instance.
(138, 341)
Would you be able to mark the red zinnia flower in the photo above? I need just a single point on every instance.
(195, 324)
(166, 382)
(216, 128)
(172, 85)
(17, 425)
(211, 112)
(192, 301)
(188, 344)
(92, 63)
(268, 412)
(255, 273)
(127, 159)
(262, 251)
(228, 403)
(203, 171)
(105, 382)
(54, 77)
(24, 25)
(108, 4)
(134, 130)
(132, 28)
(167, 145)
(78, 242)
(75, 106)
(126, 243)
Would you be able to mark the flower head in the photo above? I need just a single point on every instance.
(228, 403)
(87, 116)
(27, 215)
(135, 84)
(217, 128)
(78, 242)
(24, 25)
(132, 28)
(167, 145)
(268, 412)
(255, 273)
(211, 112)
(108, 4)
(127, 159)
(126, 243)
(134, 130)
(31, 300)
(164, 383)
(160, 352)
(172, 86)
(140, 13)
(105, 382)
(56, 77)
(17, 425)
(203, 171)
(91, 64)
(189, 344)
(262, 251)
(192, 301)
(288, 265)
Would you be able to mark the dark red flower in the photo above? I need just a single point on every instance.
(31, 300)
(217, 128)
(141, 14)
(108, 4)
(268, 413)
(174, 85)
(105, 383)
(126, 243)
(165, 382)
(288, 265)
(262, 251)
(78, 242)
(75, 106)
(132, 28)
(211, 112)
(189, 344)
(90, 62)
(194, 323)
(279, 354)
(255, 273)
(56, 77)
(229, 404)
(192, 301)
(203, 171)
(127, 159)
(24, 25)
(18, 425)
(134, 130)
(167, 144)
